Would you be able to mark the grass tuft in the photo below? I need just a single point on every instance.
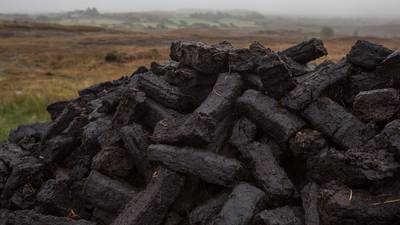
(22, 110)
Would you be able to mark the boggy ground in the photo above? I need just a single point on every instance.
(42, 64)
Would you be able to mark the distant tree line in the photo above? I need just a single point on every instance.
(216, 16)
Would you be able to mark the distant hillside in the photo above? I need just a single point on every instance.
(243, 20)
(26, 25)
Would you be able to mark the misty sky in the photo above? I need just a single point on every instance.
(343, 8)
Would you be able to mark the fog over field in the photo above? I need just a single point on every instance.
(337, 8)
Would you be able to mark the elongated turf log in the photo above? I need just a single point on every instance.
(201, 127)
(130, 108)
(156, 112)
(276, 77)
(55, 109)
(243, 132)
(336, 122)
(25, 217)
(93, 130)
(340, 204)
(57, 148)
(266, 113)
(269, 176)
(161, 91)
(309, 198)
(365, 81)
(208, 166)
(389, 138)
(106, 193)
(312, 85)
(20, 168)
(244, 201)
(209, 59)
(390, 68)
(373, 161)
(208, 211)
(306, 51)
(192, 129)
(221, 99)
(245, 59)
(283, 216)
(307, 143)
(163, 68)
(70, 112)
(150, 206)
(136, 142)
(356, 166)
(113, 162)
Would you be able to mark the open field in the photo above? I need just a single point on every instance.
(42, 64)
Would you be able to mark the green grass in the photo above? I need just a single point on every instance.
(23, 110)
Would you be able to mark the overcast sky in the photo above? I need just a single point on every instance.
(343, 8)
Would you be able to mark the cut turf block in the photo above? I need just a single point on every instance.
(252, 81)
(130, 108)
(57, 148)
(368, 55)
(390, 137)
(377, 105)
(268, 174)
(310, 198)
(221, 99)
(312, 85)
(205, 213)
(268, 115)
(187, 78)
(280, 216)
(107, 193)
(244, 132)
(342, 205)
(102, 217)
(337, 123)
(192, 130)
(28, 135)
(30, 217)
(161, 91)
(156, 112)
(244, 201)
(276, 77)
(209, 59)
(21, 169)
(245, 59)
(113, 162)
(162, 69)
(55, 109)
(57, 197)
(151, 205)
(202, 126)
(306, 51)
(93, 130)
(208, 166)
(307, 143)
(365, 81)
(67, 116)
(136, 141)
(390, 68)
(354, 167)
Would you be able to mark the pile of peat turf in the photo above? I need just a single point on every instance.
(217, 136)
